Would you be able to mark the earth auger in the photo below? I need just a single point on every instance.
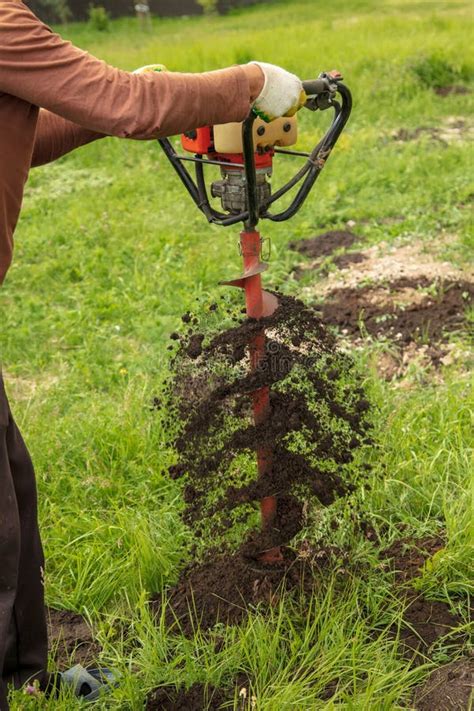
(245, 152)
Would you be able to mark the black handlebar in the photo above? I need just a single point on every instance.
(321, 93)
(314, 86)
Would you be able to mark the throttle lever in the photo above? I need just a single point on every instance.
(321, 91)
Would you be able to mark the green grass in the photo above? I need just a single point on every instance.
(110, 253)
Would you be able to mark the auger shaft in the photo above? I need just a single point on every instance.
(259, 304)
(250, 244)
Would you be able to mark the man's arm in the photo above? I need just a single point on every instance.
(38, 66)
(56, 136)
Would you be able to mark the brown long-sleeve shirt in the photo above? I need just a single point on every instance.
(84, 98)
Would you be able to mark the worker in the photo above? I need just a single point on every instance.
(53, 99)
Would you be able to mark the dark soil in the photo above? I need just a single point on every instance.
(387, 311)
(452, 89)
(319, 418)
(449, 688)
(325, 244)
(225, 587)
(70, 639)
(406, 556)
(424, 621)
(197, 698)
(342, 261)
(299, 353)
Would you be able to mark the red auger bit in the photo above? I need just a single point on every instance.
(245, 153)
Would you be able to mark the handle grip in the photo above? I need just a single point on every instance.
(315, 86)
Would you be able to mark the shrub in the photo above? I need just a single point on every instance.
(209, 6)
(435, 71)
(99, 18)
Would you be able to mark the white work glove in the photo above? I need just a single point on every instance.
(282, 93)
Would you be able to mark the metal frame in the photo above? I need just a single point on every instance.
(323, 89)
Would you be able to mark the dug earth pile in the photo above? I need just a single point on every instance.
(400, 296)
(318, 430)
(197, 697)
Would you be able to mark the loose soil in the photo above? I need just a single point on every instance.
(320, 418)
(409, 300)
(407, 556)
(385, 262)
(449, 688)
(404, 310)
(325, 244)
(197, 698)
(227, 586)
(70, 639)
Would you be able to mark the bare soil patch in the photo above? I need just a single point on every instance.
(324, 244)
(198, 697)
(400, 295)
(70, 639)
(405, 310)
(226, 587)
(449, 688)
(385, 262)
(407, 556)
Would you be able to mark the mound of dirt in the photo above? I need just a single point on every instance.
(197, 698)
(402, 295)
(225, 587)
(70, 639)
(318, 419)
(324, 244)
(344, 261)
(405, 310)
(449, 688)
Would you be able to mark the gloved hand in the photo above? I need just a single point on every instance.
(151, 68)
(282, 93)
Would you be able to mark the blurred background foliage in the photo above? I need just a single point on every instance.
(64, 10)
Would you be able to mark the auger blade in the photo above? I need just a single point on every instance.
(259, 304)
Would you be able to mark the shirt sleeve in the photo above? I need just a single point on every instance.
(38, 66)
(56, 136)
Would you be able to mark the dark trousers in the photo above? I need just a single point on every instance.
(23, 638)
